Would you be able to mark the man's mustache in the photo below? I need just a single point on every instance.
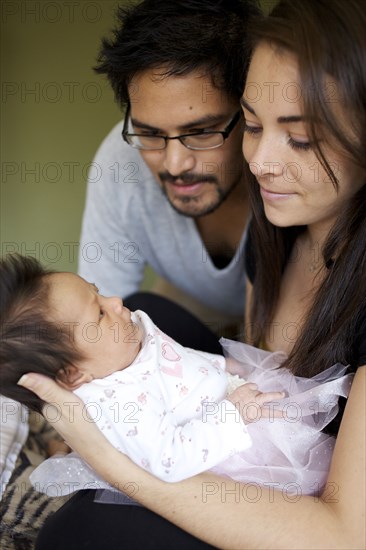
(186, 179)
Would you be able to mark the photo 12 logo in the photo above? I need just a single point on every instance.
(28, 11)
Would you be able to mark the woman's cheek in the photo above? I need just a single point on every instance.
(246, 147)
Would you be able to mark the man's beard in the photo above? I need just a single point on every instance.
(193, 207)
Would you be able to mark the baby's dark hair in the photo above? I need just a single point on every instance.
(29, 340)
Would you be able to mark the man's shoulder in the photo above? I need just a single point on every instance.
(113, 144)
(113, 148)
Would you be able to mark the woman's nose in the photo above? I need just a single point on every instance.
(263, 156)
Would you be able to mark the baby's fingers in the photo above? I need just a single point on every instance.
(267, 397)
(271, 412)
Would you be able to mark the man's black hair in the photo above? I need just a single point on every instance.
(178, 37)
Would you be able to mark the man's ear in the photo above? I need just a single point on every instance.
(71, 377)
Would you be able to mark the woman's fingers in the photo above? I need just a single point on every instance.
(43, 386)
(67, 414)
(62, 408)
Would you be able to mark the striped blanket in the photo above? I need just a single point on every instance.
(22, 509)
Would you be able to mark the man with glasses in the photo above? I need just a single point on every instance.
(172, 194)
(200, 140)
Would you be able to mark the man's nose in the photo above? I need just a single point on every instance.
(178, 159)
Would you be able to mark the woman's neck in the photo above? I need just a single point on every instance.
(315, 235)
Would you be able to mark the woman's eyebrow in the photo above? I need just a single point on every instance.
(288, 119)
(280, 119)
(246, 106)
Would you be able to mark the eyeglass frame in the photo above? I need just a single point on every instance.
(225, 134)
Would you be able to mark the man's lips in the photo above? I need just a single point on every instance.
(185, 188)
(180, 187)
(185, 180)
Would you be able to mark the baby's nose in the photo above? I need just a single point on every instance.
(116, 303)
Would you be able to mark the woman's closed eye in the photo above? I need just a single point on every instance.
(293, 143)
(253, 130)
(299, 145)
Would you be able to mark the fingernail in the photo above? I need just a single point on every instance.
(25, 381)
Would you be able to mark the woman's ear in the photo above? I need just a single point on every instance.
(72, 378)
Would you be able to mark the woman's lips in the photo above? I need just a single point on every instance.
(276, 195)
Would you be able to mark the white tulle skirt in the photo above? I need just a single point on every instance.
(291, 454)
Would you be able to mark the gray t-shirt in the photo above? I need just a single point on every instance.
(128, 224)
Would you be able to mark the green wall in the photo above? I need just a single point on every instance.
(54, 113)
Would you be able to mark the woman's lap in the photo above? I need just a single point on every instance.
(84, 524)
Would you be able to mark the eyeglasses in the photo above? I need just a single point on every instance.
(198, 141)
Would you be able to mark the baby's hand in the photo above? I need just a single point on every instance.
(251, 403)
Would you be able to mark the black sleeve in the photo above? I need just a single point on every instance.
(176, 321)
(361, 341)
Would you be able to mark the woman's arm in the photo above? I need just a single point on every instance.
(225, 513)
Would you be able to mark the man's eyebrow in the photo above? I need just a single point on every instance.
(207, 120)
(280, 119)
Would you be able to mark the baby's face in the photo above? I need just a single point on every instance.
(100, 327)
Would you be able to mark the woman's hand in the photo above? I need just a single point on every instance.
(67, 414)
(334, 519)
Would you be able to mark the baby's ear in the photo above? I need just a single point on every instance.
(71, 377)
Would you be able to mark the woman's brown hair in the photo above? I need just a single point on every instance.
(328, 40)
